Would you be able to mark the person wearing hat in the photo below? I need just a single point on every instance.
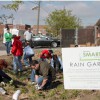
(53, 59)
(45, 54)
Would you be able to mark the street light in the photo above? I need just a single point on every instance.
(34, 8)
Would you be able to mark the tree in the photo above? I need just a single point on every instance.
(59, 19)
(14, 5)
(5, 18)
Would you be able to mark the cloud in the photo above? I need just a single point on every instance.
(85, 10)
(88, 11)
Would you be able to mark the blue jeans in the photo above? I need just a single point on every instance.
(26, 57)
(8, 47)
(32, 77)
(40, 80)
(17, 63)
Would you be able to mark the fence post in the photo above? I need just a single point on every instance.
(95, 35)
(60, 37)
(76, 36)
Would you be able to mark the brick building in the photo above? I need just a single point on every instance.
(42, 29)
(2, 26)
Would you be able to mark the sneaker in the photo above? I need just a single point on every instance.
(36, 86)
(27, 66)
(20, 70)
(33, 83)
(11, 82)
(15, 72)
(2, 91)
(3, 84)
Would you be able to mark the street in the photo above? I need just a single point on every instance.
(3, 49)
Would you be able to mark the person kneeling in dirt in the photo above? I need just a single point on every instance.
(44, 74)
(45, 55)
(53, 59)
(3, 75)
(56, 63)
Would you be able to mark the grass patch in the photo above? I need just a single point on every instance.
(57, 92)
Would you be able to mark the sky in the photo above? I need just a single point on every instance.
(87, 11)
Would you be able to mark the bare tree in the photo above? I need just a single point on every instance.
(5, 18)
(11, 17)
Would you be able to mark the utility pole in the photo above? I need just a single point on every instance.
(38, 17)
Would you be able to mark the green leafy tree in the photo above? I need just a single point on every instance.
(59, 19)
(14, 5)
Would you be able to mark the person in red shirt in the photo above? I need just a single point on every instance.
(17, 52)
(45, 54)
(52, 59)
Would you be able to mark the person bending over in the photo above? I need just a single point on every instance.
(3, 75)
(44, 74)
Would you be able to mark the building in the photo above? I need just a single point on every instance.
(42, 29)
(98, 23)
(20, 27)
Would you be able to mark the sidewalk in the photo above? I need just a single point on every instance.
(2, 52)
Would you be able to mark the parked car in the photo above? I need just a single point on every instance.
(44, 41)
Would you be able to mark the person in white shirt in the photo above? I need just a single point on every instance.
(28, 36)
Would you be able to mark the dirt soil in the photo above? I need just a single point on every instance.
(56, 92)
